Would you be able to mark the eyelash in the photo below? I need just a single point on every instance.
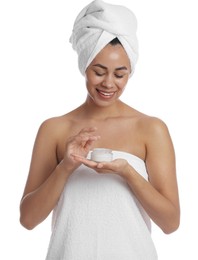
(119, 77)
(100, 75)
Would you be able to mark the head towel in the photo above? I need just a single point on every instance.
(96, 25)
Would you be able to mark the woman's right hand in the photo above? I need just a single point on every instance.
(46, 179)
(79, 144)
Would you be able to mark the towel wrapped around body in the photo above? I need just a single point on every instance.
(98, 24)
(99, 217)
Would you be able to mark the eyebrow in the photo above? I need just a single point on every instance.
(103, 67)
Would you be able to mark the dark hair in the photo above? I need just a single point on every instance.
(115, 41)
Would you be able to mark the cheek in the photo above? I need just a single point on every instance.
(122, 84)
(90, 79)
(93, 81)
(90, 84)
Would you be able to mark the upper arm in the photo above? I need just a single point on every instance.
(43, 160)
(160, 160)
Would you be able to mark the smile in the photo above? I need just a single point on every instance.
(105, 94)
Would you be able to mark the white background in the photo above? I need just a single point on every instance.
(39, 78)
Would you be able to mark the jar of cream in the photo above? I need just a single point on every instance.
(101, 155)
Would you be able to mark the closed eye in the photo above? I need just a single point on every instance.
(99, 74)
(119, 76)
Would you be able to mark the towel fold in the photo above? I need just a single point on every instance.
(96, 25)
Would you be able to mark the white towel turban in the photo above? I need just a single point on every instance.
(96, 25)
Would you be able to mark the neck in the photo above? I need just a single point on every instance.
(102, 112)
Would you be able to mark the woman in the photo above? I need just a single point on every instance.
(102, 210)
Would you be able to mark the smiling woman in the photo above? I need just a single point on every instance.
(103, 210)
(108, 73)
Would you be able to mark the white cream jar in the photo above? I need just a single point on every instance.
(101, 155)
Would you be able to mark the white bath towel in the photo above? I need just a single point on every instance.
(98, 217)
(99, 23)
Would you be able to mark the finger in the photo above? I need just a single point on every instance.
(87, 138)
(84, 160)
(100, 165)
(89, 144)
(104, 165)
(86, 141)
(85, 135)
(78, 157)
(88, 130)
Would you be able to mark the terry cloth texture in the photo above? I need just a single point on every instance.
(99, 218)
(96, 25)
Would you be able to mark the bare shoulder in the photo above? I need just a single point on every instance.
(157, 138)
(146, 123)
(152, 125)
(55, 125)
(54, 122)
(147, 127)
(154, 131)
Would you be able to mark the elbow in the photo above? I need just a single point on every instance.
(172, 226)
(26, 223)
(26, 220)
(172, 221)
(170, 229)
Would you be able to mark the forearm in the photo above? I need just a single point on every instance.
(160, 209)
(37, 205)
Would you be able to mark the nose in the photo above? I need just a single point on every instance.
(107, 81)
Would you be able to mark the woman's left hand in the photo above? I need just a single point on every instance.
(117, 166)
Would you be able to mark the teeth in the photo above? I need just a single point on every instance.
(106, 94)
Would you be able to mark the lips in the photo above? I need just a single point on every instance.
(105, 94)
